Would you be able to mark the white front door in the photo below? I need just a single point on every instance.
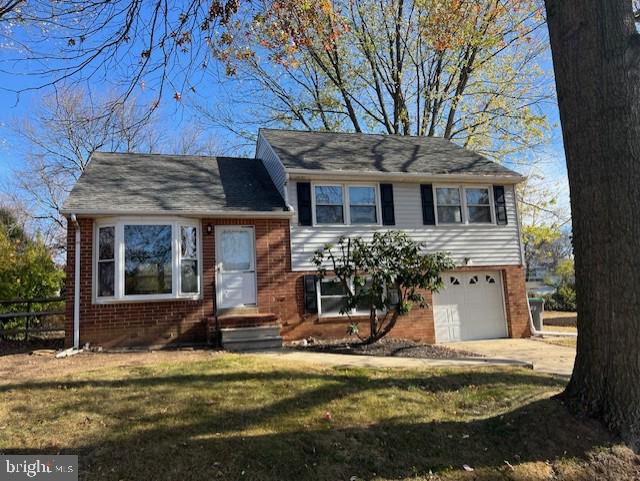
(470, 306)
(235, 266)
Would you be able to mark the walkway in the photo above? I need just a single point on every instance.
(544, 357)
(352, 360)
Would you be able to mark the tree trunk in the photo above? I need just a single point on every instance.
(596, 58)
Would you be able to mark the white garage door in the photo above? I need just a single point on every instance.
(471, 306)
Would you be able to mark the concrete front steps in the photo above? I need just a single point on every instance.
(251, 338)
(248, 331)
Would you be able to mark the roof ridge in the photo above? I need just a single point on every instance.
(158, 154)
(364, 134)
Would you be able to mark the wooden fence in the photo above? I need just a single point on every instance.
(33, 318)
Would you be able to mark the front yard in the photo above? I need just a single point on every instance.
(201, 415)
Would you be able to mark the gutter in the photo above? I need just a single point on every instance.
(304, 174)
(76, 286)
(275, 214)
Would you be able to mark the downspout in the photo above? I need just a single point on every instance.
(543, 333)
(76, 285)
(286, 192)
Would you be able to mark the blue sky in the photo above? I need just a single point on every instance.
(174, 116)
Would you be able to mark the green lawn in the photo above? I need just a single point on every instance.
(220, 416)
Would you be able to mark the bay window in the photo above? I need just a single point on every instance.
(140, 259)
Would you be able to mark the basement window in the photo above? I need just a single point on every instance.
(138, 259)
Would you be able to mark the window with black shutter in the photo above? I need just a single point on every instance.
(500, 202)
(428, 215)
(310, 294)
(304, 203)
(386, 199)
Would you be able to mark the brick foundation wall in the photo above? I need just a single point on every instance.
(280, 291)
(418, 324)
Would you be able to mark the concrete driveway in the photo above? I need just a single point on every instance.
(544, 357)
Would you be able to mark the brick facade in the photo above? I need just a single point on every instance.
(280, 291)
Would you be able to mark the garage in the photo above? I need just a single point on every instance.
(470, 306)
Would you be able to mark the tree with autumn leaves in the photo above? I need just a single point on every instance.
(453, 68)
(467, 71)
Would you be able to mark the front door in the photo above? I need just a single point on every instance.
(235, 266)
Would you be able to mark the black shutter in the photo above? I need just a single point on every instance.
(386, 199)
(428, 215)
(304, 203)
(500, 204)
(310, 294)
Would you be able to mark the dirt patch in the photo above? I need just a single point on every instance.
(28, 367)
(391, 347)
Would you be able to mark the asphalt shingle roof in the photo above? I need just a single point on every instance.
(130, 183)
(378, 153)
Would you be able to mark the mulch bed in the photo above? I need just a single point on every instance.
(386, 347)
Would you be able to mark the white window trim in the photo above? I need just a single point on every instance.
(491, 204)
(436, 205)
(354, 311)
(346, 206)
(119, 254)
(320, 296)
(463, 204)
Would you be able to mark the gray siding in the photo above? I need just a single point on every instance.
(485, 244)
(272, 163)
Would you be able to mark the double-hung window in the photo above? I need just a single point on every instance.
(189, 259)
(333, 297)
(329, 204)
(106, 261)
(464, 205)
(138, 260)
(478, 205)
(362, 205)
(449, 205)
(346, 204)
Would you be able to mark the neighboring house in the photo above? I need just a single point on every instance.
(174, 248)
(540, 279)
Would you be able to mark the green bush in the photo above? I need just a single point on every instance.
(27, 271)
(564, 299)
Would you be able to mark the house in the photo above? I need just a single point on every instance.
(174, 249)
